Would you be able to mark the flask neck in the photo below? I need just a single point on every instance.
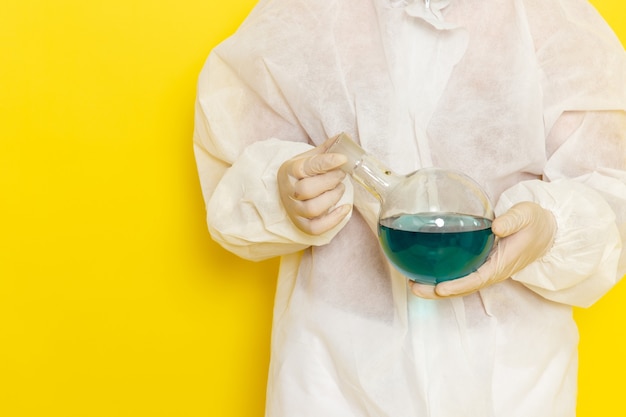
(374, 177)
(364, 168)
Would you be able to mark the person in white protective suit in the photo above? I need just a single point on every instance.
(528, 97)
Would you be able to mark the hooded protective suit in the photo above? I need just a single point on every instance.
(528, 97)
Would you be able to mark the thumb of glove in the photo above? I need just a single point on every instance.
(320, 164)
(515, 219)
(314, 162)
(528, 232)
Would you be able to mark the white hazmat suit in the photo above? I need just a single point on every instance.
(528, 97)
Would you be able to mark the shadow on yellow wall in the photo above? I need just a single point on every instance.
(113, 299)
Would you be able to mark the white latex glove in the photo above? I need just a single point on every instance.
(525, 233)
(310, 185)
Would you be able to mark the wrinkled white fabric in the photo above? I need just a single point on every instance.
(528, 97)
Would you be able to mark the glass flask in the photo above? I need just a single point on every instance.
(434, 224)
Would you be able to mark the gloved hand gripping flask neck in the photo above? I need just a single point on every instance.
(434, 224)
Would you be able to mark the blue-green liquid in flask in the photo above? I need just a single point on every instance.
(434, 247)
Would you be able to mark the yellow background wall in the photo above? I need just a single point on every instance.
(113, 299)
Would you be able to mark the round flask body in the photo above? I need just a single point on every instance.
(435, 226)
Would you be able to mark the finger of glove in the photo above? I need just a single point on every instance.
(464, 285)
(327, 144)
(423, 290)
(319, 205)
(326, 222)
(311, 187)
(316, 164)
